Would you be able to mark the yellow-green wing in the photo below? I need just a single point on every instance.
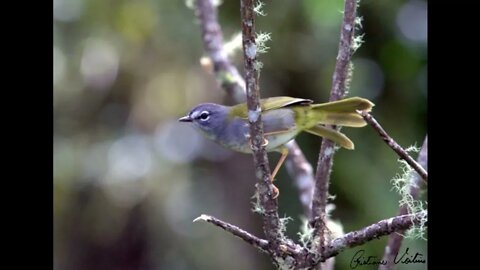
(267, 104)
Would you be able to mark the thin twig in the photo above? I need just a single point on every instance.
(327, 148)
(395, 239)
(394, 145)
(232, 82)
(271, 222)
(261, 244)
(381, 228)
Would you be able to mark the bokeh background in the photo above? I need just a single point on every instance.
(129, 179)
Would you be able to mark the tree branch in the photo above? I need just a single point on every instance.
(349, 240)
(395, 239)
(327, 148)
(381, 228)
(271, 222)
(261, 244)
(232, 82)
(212, 37)
(394, 145)
(283, 251)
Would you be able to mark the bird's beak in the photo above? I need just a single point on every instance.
(186, 118)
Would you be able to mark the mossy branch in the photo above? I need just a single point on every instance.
(271, 221)
(304, 259)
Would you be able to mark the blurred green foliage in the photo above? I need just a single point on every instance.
(129, 179)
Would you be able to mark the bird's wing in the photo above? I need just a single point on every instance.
(268, 104)
(281, 102)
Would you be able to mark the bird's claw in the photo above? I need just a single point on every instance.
(265, 143)
(276, 191)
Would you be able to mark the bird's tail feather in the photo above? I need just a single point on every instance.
(343, 112)
(346, 105)
(333, 135)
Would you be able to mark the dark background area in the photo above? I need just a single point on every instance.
(129, 179)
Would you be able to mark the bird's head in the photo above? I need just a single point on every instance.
(208, 117)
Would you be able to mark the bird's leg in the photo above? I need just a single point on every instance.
(284, 152)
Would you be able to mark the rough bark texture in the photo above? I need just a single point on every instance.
(271, 222)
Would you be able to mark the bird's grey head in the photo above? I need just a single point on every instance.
(207, 117)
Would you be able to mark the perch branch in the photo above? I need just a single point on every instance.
(261, 244)
(233, 83)
(327, 148)
(271, 222)
(395, 239)
(394, 145)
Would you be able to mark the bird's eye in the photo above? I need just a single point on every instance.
(204, 116)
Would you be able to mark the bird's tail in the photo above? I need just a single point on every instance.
(342, 112)
(333, 135)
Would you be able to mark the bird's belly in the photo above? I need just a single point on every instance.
(274, 142)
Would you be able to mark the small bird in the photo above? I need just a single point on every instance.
(283, 119)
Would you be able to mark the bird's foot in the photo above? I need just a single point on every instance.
(265, 142)
(276, 191)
